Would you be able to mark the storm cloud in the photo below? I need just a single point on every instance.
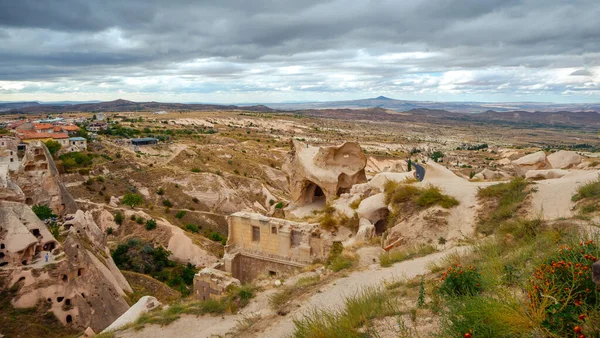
(252, 51)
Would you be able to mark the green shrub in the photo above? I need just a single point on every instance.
(109, 231)
(507, 197)
(119, 218)
(132, 199)
(214, 236)
(180, 214)
(192, 228)
(588, 190)
(53, 147)
(342, 262)
(43, 211)
(167, 203)
(460, 281)
(160, 191)
(150, 224)
(279, 205)
(196, 170)
(398, 193)
(140, 220)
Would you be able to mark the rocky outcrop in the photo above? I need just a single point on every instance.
(39, 180)
(323, 172)
(487, 174)
(545, 174)
(564, 159)
(366, 230)
(378, 181)
(535, 161)
(79, 282)
(142, 306)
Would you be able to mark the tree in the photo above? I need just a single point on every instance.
(53, 147)
(150, 224)
(132, 200)
(409, 164)
(43, 211)
(119, 218)
(437, 155)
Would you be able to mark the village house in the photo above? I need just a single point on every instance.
(77, 144)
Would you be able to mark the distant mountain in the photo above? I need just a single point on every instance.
(455, 107)
(127, 106)
(12, 105)
(561, 119)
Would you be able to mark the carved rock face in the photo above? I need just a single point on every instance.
(323, 172)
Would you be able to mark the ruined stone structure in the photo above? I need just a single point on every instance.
(262, 245)
(210, 283)
(323, 172)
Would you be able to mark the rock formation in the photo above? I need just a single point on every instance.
(39, 180)
(142, 306)
(323, 172)
(564, 159)
(545, 174)
(535, 161)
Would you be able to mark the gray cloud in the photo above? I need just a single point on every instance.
(335, 46)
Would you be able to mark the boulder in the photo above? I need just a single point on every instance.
(366, 230)
(114, 202)
(142, 306)
(535, 161)
(487, 174)
(375, 210)
(564, 159)
(545, 174)
(378, 181)
(316, 173)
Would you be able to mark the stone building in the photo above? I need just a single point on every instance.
(263, 245)
(212, 283)
(8, 152)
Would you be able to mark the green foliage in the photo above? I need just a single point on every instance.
(180, 214)
(119, 218)
(160, 191)
(359, 310)
(279, 205)
(289, 292)
(566, 277)
(507, 198)
(109, 231)
(398, 193)
(588, 190)
(342, 262)
(214, 236)
(53, 147)
(471, 174)
(196, 170)
(192, 228)
(150, 224)
(132, 200)
(460, 281)
(336, 249)
(140, 220)
(167, 203)
(409, 164)
(421, 299)
(142, 257)
(76, 160)
(436, 156)
(43, 211)
(54, 229)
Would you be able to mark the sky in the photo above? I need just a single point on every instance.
(230, 51)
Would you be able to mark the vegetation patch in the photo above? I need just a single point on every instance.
(587, 198)
(143, 285)
(142, 257)
(399, 255)
(282, 298)
(503, 200)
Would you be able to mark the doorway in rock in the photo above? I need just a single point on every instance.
(381, 221)
(313, 193)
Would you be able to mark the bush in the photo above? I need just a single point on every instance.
(180, 214)
(160, 191)
(214, 236)
(192, 228)
(460, 281)
(150, 224)
(109, 231)
(53, 147)
(395, 256)
(565, 278)
(397, 193)
(132, 199)
(342, 262)
(588, 190)
(507, 197)
(279, 205)
(196, 170)
(119, 218)
(167, 203)
(43, 211)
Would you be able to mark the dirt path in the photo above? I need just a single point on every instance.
(330, 297)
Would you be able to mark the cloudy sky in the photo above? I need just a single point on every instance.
(274, 51)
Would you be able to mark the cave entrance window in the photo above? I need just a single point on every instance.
(255, 234)
(1, 255)
(380, 226)
(313, 193)
(79, 272)
(69, 319)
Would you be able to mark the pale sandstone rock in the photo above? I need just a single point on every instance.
(545, 174)
(323, 172)
(564, 159)
(142, 306)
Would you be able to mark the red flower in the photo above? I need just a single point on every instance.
(582, 317)
(577, 329)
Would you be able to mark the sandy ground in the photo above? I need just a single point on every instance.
(330, 297)
(553, 198)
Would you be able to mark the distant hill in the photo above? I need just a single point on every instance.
(455, 107)
(560, 119)
(125, 106)
(12, 105)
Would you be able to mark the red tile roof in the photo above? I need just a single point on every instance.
(34, 136)
(42, 126)
(70, 128)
